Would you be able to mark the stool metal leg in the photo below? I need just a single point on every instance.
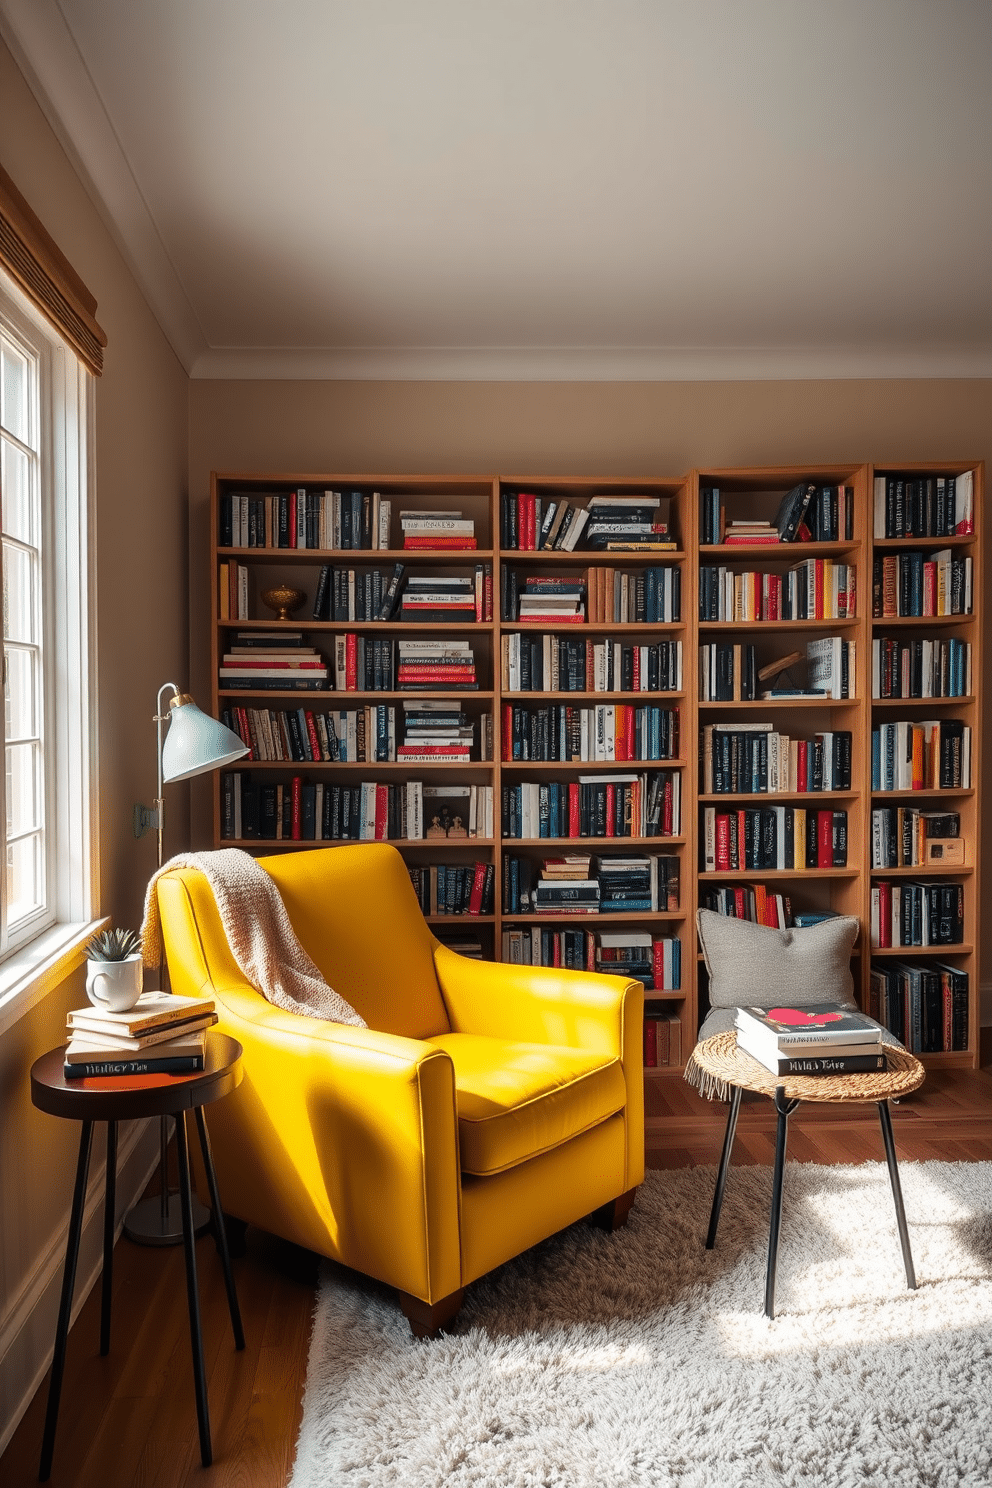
(192, 1291)
(220, 1230)
(721, 1177)
(109, 1215)
(65, 1305)
(785, 1109)
(890, 1158)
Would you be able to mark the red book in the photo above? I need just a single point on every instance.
(590, 668)
(241, 720)
(292, 519)
(884, 913)
(620, 733)
(650, 1043)
(658, 963)
(802, 765)
(556, 958)
(439, 544)
(667, 809)
(312, 735)
(507, 731)
(590, 951)
(611, 810)
(351, 661)
(574, 813)
(628, 725)
(487, 590)
(723, 842)
(296, 808)
(381, 812)
(478, 884)
(636, 680)
(552, 620)
(824, 839)
(740, 904)
(818, 583)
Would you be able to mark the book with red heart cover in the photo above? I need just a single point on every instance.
(801, 1029)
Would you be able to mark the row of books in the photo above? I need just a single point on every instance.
(899, 835)
(645, 805)
(807, 513)
(729, 671)
(307, 811)
(550, 663)
(821, 1039)
(755, 759)
(924, 506)
(758, 903)
(911, 913)
(919, 668)
(609, 731)
(652, 596)
(387, 664)
(930, 755)
(162, 1034)
(376, 595)
(432, 732)
(911, 584)
(529, 523)
(789, 838)
(657, 962)
(304, 519)
(581, 883)
(924, 1005)
(817, 589)
(454, 889)
(662, 1038)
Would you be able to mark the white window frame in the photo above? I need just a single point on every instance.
(53, 945)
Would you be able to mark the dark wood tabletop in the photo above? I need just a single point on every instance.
(122, 1097)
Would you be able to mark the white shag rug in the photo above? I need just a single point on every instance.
(640, 1358)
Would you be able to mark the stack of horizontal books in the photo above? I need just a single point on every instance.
(559, 600)
(162, 1034)
(436, 732)
(822, 1039)
(437, 531)
(272, 661)
(628, 523)
(431, 666)
(428, 597)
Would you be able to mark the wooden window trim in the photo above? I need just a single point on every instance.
(36, 263)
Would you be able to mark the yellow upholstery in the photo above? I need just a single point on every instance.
(485, 1107)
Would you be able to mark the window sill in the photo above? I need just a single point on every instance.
(31, 973)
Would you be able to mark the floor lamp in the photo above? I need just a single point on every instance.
(194, 744)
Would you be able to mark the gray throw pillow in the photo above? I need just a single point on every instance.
(754, 966)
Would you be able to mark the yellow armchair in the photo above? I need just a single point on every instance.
(485, 1107)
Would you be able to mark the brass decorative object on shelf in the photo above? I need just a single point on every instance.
(283, 600)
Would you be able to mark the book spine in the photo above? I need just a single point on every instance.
(176, 1064)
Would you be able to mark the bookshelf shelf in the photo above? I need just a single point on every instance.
(508, 510)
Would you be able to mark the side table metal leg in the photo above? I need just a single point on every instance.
(65, 1305)
(890, 1158)
(220, 1230)
(109, 1215)
(785, 1109)
(192, 1291)
(721, 1177)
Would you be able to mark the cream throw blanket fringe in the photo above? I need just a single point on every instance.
(258, 929)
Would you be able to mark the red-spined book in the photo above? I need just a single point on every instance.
(802, 766)
(667, 809)
(590, 668)
(296, 807)
(351, 661)
(243, 728)
(930, 602)
(313, 735)
(478, 885)
(440, 544)
(658, 964)
(818, 589)
(487, 590)
(884, 913)
(740, 903)
(628, 729)
(824, 839)
(291, 504)
(611, 810)
(723, 842)
(650, 1042)
(381, 812)
(507, 731)
(636, 677)
(574, 809)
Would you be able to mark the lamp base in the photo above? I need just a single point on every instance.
(146, 1224)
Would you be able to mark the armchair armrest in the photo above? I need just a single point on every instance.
(345, 1140)
(542, 1004)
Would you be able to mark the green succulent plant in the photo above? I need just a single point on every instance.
(113, 945)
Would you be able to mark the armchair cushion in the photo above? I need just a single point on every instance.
(517, 1100)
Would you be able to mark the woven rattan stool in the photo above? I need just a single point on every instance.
(722, 1068)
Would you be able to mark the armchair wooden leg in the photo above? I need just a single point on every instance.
(613, 1216)
(428, 1321)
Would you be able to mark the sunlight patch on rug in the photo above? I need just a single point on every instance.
(642, 1359)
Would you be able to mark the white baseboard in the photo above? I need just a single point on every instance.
(27, 1329)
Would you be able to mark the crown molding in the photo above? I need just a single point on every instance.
(586, 364)
(44, 49)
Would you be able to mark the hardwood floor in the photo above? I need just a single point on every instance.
(129, 1421)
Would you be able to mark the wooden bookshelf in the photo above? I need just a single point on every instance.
(745, 494)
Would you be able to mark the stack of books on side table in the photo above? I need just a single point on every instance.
(162, 1034)
(822, 1039)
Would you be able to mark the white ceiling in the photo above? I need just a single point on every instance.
(538, 188)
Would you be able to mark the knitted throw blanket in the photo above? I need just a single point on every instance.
(258, 929)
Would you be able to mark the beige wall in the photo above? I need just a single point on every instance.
(141, 455)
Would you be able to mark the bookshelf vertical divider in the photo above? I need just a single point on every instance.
(745, 494)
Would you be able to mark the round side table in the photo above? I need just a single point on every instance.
(726, 1065)
(124, 1098)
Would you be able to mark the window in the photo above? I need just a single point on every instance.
(46, 787)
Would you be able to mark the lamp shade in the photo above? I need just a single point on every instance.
(195, 742)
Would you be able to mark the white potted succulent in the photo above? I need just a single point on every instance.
(114, 970)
